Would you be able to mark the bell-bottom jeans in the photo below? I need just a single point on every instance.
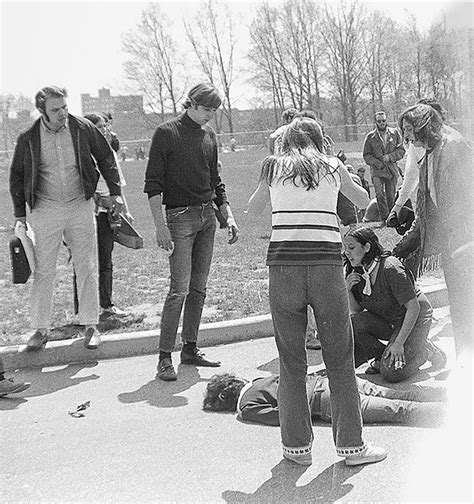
(192, 230)
(291, 290)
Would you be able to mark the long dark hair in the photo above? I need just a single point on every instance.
(301, 157)
(365, 235)
(426, 121)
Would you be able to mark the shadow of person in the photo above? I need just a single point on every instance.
(49, 380)
(162, 394)
(328, 486)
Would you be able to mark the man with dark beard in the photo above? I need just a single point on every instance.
(383, 147)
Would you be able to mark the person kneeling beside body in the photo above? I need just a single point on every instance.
(257, 401)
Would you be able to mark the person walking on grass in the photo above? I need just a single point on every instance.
(54, 171)
(383, 147)
(182, 174)
(304, 254)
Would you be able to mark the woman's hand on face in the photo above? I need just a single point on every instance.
(352, 279)
(395, 355)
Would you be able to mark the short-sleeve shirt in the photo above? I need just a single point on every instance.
(393, 287)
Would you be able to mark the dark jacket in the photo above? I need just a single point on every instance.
(91, 149)
(374, 150)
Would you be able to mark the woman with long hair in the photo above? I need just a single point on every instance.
(305, 268)
(444, 217)
(386, 305)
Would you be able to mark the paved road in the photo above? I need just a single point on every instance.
(143, 440)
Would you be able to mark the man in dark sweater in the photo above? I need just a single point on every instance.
(182, 174)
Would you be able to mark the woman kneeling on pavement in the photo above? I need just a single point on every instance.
(386, 305)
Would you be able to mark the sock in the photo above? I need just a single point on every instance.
(189, 346)
(164, 355)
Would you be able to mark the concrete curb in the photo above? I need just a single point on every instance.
(116, 346)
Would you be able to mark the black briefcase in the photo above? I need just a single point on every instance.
(21, 270)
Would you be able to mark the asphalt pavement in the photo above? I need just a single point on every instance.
(141, 440)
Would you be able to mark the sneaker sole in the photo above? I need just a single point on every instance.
(302, 462)
(366, 460)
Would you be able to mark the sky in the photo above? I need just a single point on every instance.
(78, 45)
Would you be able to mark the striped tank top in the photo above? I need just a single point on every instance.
(305, 228)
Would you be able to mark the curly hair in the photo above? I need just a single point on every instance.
(222, 393)
(302, 156)
(426, 122)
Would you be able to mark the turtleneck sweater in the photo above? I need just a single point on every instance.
(182, 164)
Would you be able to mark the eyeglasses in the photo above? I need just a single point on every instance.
(381, 121)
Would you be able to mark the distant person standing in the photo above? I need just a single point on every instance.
(383, 147)
(274, 141)
(182, 174)
(54, 172)
(363, 180)
(105, 231)
(109, 134)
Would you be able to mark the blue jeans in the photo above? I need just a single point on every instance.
(291, 290)
(192, 230)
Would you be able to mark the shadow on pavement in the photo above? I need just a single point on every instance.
(328, 486)
(162, 394)
(47, 380)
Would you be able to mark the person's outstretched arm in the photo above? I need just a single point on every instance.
(258, 200)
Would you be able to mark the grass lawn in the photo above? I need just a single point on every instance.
(238, 281)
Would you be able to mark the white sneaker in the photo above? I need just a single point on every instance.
(113, 311)
(370, 455)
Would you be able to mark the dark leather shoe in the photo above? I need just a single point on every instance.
(166, 370)
(37, 341)
(197, 358)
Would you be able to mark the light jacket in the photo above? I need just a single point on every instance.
(450, 223)
(374, 150)
(92, 152)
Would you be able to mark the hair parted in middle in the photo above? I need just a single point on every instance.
(366, 235)
(301, 160)
(426, 122)
(203, 94)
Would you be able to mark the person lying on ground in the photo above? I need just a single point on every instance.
(257, 401)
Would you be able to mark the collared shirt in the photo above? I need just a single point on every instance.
(59, 178)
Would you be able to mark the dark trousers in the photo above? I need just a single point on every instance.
(105, 242)
(370, 330)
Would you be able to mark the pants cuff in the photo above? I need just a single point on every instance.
(352, 450)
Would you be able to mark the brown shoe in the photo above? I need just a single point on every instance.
(37, 341)
(166, 370)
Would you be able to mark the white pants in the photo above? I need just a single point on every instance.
(75, 223)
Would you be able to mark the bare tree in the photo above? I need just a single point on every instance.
(344, 28)
(155, 62)
(212, 37)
